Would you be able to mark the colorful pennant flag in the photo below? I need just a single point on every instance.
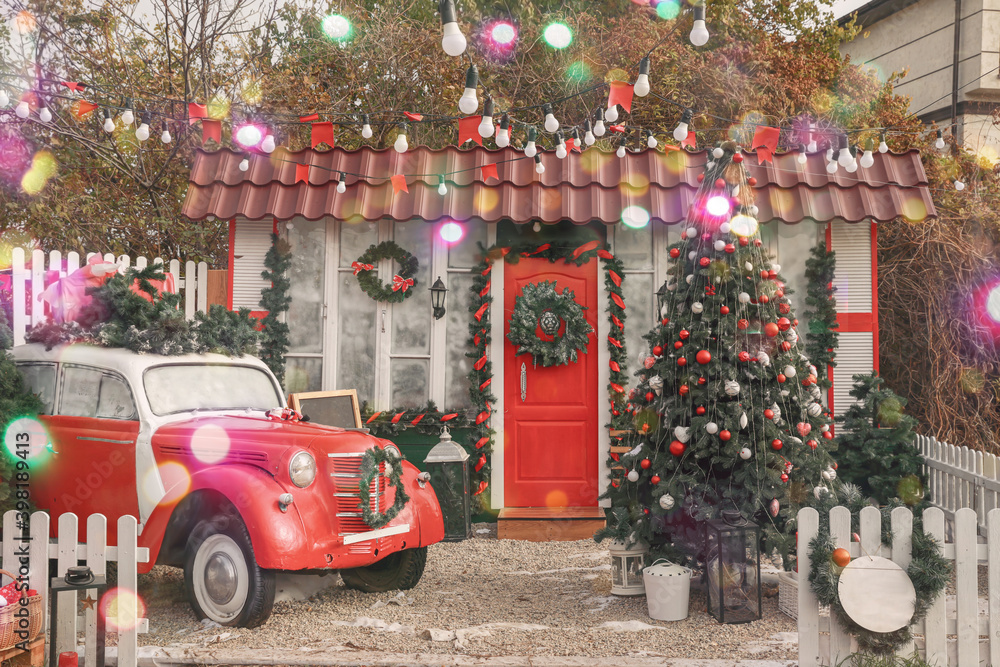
(322, 133)
(621, 94)
(490, 170)
(765, 142)
(310, 117)
(196, 111)
(413, 116)
(301, 173)
(84, 108)
(399, 183)
(690, 140)
(211, 129)
(468, 128)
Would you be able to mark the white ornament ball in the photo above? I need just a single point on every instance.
(812, 369)
(710, 165)
(718, 153)
(682, 433)
(790, 371)
(745, 453)
(748, 266)
(829, 474)
(820, 491)
(712, 428)
(743, 297)
(725, 228)
(824, 428)
(671, 287)
(815, 392)
(814, 409)
(633, 476)
(666, 501)
(743, 420)
(720, 245)
(697, 307)
(732, 387)
(776, 267)
(692, 254)
(692, 232)
(791, 336)
(763, 358)
(785, 393)
(754, 210)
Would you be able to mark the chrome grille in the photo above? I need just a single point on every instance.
(345, 471)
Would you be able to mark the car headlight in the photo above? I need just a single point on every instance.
(393, 451)
(302, 469)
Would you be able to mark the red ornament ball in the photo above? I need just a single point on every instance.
(730, 248)
(615, 483)
(702, 380)
(701, 177)
(772, 274)
(841, 557)
(703, 356)
(724, 310)
(744, 241)
(657, 350)
(784, 308)
(812, 444)
(655, 479)
(771, 329)
(828, 435)
(784, 477)
(720, 183)
(678, 345)
(650, 396)
(779, 293)
(684, 334)
(725, 436)
(700, 410)
(764, 275)
(677, 447)
(795, 322)
(785, 345)
(675, 252)
(751, 181)
(744, 356)
(758, 243)
(776, 444)
(666, 321)
(781, 377)
(763, 298)
(682, 361)
(704, 261)
(683, 390)
(615, 413)
(769, 413)
(783, 323)
(706, 237)
(645, 463)
(742, 324)
(737, 158)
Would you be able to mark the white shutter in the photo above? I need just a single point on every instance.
(853, 274)
(853, 356)
(252, 241)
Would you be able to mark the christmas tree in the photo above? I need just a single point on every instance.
(877, 444)
(726, 411)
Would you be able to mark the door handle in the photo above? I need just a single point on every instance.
(524, 381)
(49, 446)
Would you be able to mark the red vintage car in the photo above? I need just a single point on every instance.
(222, 483)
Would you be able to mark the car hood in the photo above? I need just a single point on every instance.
(256, 440)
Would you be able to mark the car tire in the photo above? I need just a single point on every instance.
(221, 576)
(399, 571)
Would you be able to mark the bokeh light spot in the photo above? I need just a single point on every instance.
(558, 35)
(668, 9)
(993, 304)
(635, 217)
(210, 443)
(913, 208)
(556, 498)
(218, 107)
(972, 380)
(122, 608)
(451, 232)
(176, 480)
(25, 22)
(743, 225)
(249, 136)
(717, 206)
(43, 168)
(503, 33)
(578, 72)
(337, 28)
(616, 74)
(28, 432)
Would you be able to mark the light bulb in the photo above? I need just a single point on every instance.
(651, 141)
(401, 144)
(452, 40)
(109, 123)
(802, 157)
(812, 147)
(561, 151)
(539, 167)
(682, 129)
(939, 142)
(486, 128)
(699, 33)
(244, 164)
(4, 98)
(530, 150)
(867, 159)
(142, 133)
(128, 117)
(588, 135)
(599, 129)
(852, 166)
(165, 137)
(845, 158)
(829, 154)
(503, 134)
(342, 185)
(831, 167)
(45, 115)
(366, 128)
(22, 110)
(611, 115)
(959, 185)
(621, 151)
(268, 144)
(468, 103)
(882, 146)
(641, 87)
(551, 124)
(442, 188)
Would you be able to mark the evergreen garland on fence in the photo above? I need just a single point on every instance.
(426, 421)
(821, 309)
(275, 300)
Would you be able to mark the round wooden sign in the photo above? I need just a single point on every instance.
(877, 594)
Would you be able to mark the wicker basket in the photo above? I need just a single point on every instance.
(9, 623)
(788, 595)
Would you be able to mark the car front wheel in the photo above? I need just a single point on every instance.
(399, 571)
(222, 578)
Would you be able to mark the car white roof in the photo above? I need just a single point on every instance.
(128, 363)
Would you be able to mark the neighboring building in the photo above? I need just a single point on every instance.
(953, 70)
(398, 355)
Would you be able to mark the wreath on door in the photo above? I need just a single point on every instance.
(559, 318)
(400, 287)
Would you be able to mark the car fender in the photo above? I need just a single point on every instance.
(423, 512)
(254, 493)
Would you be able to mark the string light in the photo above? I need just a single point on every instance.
(651, 140)
(442, 188)
(165, 136)
(551, 123)
(621, 147)
(560, 146)
(959, 185)
(802, 157)
(45, 115)
(486, 128)
(503, 136)
(127, 116)
(22, 109)
(844, 158)
(109, 123)
(611, 115)
(867, 159)
(939, 142)
(245, 162)
(599, 129)
(539, 167)
(882, 146)
(452, 40)
(468, 103)
(4, 99)
(682, 129)
(812, 147)
(268, 144)
(588, 134)
(366, 128)
(831, 166)
(576, 138)
(641, 87)
(530, 150)
(401, 144)
(342, 183)
(699, 32)
(142, 133)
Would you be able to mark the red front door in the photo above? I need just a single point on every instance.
(550, 434)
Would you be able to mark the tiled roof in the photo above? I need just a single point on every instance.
(594, 185)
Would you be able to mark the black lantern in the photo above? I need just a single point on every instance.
(732, 568)
(663, 296)
(448, 465)
(78, 578)
(438, 290)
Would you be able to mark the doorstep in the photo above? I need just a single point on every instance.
(549, 524)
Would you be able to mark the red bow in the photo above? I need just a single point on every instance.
(401, 284)
(359, 267)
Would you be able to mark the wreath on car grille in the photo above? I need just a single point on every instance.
(540, 307)
(402, 283)
(370, 464)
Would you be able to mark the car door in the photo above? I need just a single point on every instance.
(91, 463)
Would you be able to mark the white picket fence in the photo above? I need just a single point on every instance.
(66, 551)
(960, 477)
(978, 635)
(193, 283)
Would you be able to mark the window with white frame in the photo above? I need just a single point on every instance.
(306, 313)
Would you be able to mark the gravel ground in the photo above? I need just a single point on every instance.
(481, 597)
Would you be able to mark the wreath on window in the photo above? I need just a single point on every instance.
(400, 287)
(370, 463)
(558, 317)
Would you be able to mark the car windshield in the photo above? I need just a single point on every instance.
(183, 387)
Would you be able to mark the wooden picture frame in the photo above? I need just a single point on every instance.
(295, 401)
